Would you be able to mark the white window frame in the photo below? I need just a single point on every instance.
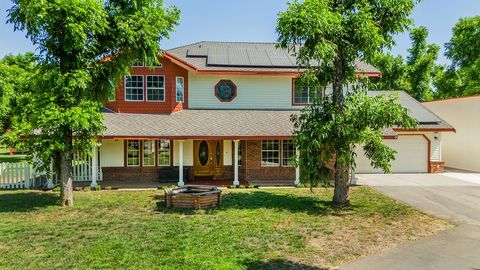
(136, 62)
(309, 102)
(143, 153)
(183, 89)
(270, 151)
(125, 88)
(139, 153)
(283, 156)
(169, 153)
(146, 88)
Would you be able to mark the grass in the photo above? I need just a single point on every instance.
(253, 229)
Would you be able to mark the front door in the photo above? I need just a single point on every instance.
(208, 158)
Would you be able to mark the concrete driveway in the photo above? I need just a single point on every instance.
(452, 196)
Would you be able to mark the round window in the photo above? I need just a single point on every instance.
(225, 90)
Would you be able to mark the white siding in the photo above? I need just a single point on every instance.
(461, 149)
(412, 156)
(252, 92)
(187, 153)
(436, 146)
(111, 153)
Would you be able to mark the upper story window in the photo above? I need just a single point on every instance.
(155, 88)
(138, 64)
(225, 90)
(134, 88)
(179, 89)
(305, 95)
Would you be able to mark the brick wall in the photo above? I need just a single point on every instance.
(437, 167)
(170, 71)
(254, 170)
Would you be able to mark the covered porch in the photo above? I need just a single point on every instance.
(222, 162)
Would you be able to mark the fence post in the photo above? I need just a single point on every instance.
(27, 175)
(94, 167)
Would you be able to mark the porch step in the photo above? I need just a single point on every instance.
(273, 183)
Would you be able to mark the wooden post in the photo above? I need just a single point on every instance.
(181, 183)
(235, 164)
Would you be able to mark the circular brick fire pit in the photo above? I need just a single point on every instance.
(193, 197)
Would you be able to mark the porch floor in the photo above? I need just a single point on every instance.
(156, 184)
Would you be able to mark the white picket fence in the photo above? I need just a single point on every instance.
(15, 175)
(22, 175)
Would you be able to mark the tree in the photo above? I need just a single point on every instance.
(421, 64)
(362, 122)
(462, 77)
(14, 70)
(85, 46)
(394, 72)
(327, 36)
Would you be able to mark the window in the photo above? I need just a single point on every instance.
(179, 87)
(148, 153)
(270, 153)
(225, 90)
(133, 153)
(134, 88)
(240, 153)
(138, 64)
(163, 153)
(306, 94)
(155, 88)
(288, 152)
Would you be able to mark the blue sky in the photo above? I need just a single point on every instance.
(254, 20)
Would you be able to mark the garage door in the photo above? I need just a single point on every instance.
(412, 156)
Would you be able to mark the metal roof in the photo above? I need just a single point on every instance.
(244, 56)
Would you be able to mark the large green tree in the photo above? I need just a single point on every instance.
(85, 46)
(421, 64)
(327, 36)
(462, 77)
(14, 71)
(394, 72)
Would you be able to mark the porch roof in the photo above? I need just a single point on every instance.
(215, 124)
(193, 124)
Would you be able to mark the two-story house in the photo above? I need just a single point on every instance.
(221, 111)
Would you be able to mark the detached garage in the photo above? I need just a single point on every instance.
(412, 155)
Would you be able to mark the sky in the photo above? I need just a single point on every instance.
(255, 20)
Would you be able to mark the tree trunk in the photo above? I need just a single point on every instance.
(342, 185)
(340, 194)
(66, 193)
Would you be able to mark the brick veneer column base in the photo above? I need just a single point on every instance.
(437, 166)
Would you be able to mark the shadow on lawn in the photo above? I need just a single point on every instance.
(26, 201)
(268, 200)
(280, 265)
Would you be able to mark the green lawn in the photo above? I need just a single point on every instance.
(253, 229)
